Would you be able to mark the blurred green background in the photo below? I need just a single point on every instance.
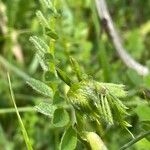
(80, 28)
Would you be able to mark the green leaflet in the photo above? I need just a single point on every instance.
(40, 87)
(48, 4)
(44, 66)
(46, 109)
(63, 76)
(76, 68)
(69, 140)
(60, 118)
(51, 33)
(49, 76)
(48, 57)
(41, 49)
(42, 19)
(39, 44)
(58, 100)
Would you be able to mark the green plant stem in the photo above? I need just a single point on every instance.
(138, 138)
(12, 110)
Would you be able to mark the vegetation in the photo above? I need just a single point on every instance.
(70, 85)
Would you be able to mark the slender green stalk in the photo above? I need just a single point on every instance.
(138, 138)
(12, 110)
(25, 135)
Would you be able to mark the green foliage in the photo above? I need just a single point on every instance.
(76, 68)
(63, 76)
(60, 118)
(51, 33)
(40, 45)
(42, 19)
(144, 116)
(76, 59)
(96, 101)
(40, 87)
(41, 50)
(46, 109)
(69, 140)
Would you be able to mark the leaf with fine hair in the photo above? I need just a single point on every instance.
(40, 58)
(43, 21)
(46, 109)
(48, 4)
(41, 49)
(39, 44)
(40, 87)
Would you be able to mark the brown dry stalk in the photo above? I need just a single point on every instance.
(113, 34)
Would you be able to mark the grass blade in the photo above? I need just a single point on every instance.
(25, 135)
